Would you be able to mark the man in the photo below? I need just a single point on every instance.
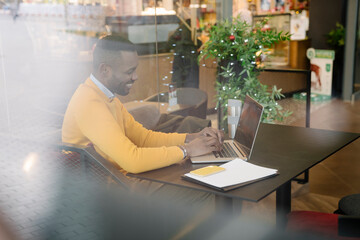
(95, 116)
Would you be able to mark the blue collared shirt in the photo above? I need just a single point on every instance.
(101, 86)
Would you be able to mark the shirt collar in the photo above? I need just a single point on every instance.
(101, 86)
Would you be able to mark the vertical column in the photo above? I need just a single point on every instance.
(4, 103)
(193, 14)
(168, 4)
(139, 7)
(223, 9)
(350, 46)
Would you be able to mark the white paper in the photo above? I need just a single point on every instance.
(237, 171)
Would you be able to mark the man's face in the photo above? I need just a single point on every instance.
(123, 73)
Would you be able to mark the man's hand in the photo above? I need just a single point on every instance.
(212, 132)
(203, 145)
(207, 140)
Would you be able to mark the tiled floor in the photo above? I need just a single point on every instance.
(339, 175)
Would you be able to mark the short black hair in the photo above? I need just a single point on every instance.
(108, 47)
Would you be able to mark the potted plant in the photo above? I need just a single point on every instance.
(239, 49)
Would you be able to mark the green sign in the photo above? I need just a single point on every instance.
(328, 67)
(310, 53)
(316, 53)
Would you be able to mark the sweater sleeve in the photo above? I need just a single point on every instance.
(98, 124)
(143, 137)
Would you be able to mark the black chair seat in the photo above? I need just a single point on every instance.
(350, 205)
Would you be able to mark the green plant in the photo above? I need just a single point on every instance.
(236, 87)
(239, 42)
(336, 37)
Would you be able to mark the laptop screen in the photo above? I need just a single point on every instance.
(248, 124)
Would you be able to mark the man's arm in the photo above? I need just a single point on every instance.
(100, 127)
(147, 138)
(143, 137)
(209, 139)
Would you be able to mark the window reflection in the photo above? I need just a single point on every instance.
(46, 49)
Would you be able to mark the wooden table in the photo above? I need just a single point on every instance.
(291, 150)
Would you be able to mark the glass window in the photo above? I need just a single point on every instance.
(47, 46)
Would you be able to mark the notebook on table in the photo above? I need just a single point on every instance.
(237, 173)
(243, 143)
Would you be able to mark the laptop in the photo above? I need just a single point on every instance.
(243, 143)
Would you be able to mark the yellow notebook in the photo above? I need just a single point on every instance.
(206, 171)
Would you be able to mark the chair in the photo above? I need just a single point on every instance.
(187, 96)
(149, 116)
(327, 225)
(196, 97)
(100, 211)
(84, 159)
(146, 114)
(349, 205)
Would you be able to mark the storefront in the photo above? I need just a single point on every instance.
(151, 25)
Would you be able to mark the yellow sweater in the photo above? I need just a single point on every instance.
(92, 117)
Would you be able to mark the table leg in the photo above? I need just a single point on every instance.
(303, 180)
(308, 98)
(283, 204)
(223, 204)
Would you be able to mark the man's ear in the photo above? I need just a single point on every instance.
(105, 70)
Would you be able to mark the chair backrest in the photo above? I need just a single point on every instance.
(146, 114)
(93, 164)
(187, 96)
(327, 225)
(195, 97)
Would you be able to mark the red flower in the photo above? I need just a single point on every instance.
(232, 37)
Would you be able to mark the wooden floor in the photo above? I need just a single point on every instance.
(335, 177)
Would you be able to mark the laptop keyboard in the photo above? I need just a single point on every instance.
(226, 152)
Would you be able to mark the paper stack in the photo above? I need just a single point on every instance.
(237, 173)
